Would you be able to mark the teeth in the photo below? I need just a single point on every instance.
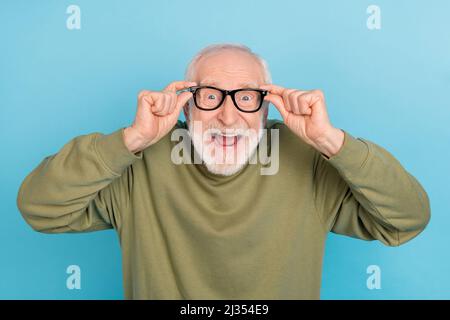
(226, 140)
(227, 133)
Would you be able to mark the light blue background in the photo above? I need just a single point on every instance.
(390, 86)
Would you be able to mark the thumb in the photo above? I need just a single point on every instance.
(182, 98)
(277, 101)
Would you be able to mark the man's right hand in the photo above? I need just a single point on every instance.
(157, 113)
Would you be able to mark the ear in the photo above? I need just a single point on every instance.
(265, 113)
(186, 111)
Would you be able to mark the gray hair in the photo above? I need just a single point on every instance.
(190, 70)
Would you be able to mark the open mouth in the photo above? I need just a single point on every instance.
(225, 140)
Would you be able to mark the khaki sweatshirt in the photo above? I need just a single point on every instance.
(186, 233)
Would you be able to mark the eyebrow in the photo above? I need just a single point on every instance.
(240, 85)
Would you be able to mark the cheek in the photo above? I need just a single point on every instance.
(203, 120)
(199, 116)
(205, 117)
(253, 120)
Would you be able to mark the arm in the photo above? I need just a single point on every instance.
(81, 188)
(87, 184)
(362, 191)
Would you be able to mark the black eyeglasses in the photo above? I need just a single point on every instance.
(210, 98)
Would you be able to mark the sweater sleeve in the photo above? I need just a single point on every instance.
(84, 187)
(364, 192)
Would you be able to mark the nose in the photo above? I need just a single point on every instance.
(228, 113)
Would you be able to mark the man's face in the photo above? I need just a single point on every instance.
(225, 138)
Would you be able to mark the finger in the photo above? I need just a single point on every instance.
(148, 100)
(304, 102)
(143, 93)
(173, 101)
(277, 101)
(309, 100)
(166, 107)
(182, 99)
(178, 85)
(159, 104)
(272, 88)
(277, 89)
(294, 102)
(287, 100)
(145, 99)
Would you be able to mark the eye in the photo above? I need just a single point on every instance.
(211, 97)
(246, 98)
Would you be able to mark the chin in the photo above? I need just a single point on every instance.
(224, 169)
(225, 154)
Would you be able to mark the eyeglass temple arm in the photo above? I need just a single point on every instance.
(190, 89)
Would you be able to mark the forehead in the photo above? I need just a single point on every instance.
(229, 68)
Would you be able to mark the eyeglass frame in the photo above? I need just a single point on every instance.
(225, 93)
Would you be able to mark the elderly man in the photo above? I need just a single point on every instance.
(221, 229)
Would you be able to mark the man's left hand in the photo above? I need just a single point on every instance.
(305, 113)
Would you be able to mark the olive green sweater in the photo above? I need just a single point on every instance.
(186, 233)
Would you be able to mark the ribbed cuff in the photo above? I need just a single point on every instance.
(352, 155)
(113, 152)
